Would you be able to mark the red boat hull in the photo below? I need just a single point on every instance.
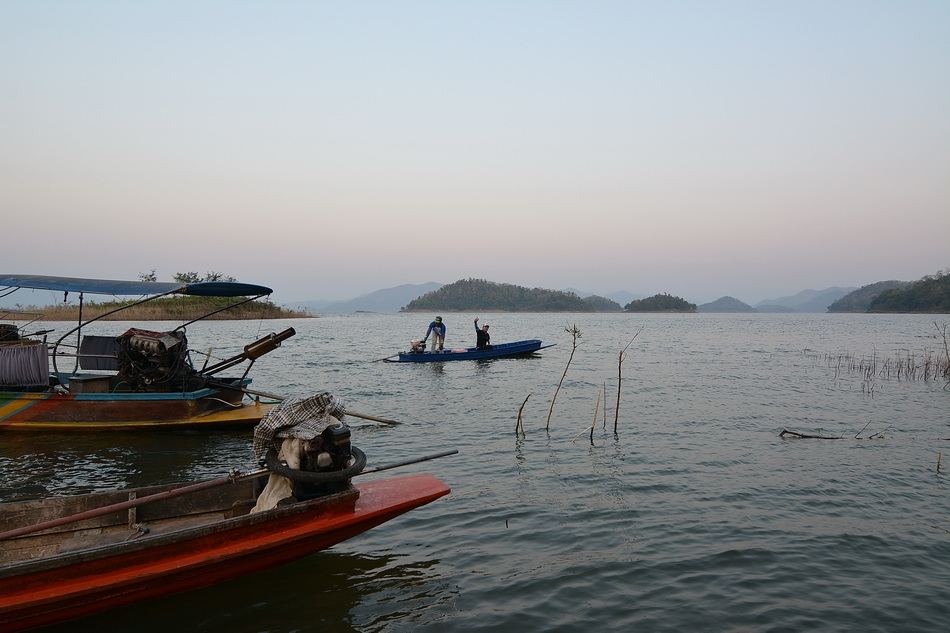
(93, 581)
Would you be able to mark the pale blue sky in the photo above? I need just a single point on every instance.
(329, 149)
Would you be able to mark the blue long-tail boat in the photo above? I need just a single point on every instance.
(503, 350)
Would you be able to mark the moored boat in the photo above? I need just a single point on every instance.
(139, 379)
(175, 544)
(66, 557)
(503, 350)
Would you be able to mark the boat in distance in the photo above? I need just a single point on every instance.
(502, 350)
(174, 544)
(136, 380)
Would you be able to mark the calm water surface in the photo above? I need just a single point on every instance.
(695, 517)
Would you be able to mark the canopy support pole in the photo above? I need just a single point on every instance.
(78, 335)
(101, 316)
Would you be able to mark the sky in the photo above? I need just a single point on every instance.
(328, 149)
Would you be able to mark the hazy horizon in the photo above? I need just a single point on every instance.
(332, 149)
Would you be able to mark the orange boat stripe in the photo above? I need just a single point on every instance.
(15, 406)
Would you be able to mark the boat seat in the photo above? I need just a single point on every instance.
(98, 353)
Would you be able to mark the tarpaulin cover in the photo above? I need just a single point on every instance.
(117, 287)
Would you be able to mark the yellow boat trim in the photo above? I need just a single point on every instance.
(248, 415)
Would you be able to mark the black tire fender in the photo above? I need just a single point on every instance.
(276, 466)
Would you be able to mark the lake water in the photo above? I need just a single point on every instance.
(696, 516)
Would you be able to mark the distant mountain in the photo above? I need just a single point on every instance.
(602, 304)
(725, 304)
(623, 297)
(385, 300)
(314, 305)
(806, 300)
(662, 302)
(773, 309)
(480, 294)
(860, 299)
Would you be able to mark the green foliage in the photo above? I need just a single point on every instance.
(602, 304)
(662, 302)
(930, 294)
(187, 278)
(860, 300)
(193, 277)
(479, 294)
(149, 276)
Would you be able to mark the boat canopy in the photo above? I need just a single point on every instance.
(117, 287)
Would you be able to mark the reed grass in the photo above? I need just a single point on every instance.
(170, 309)
(926, 365)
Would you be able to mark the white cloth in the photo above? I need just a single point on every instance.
(279, 487)
(303, 418)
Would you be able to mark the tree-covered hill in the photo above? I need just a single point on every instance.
(480, 294)
(602, 304)
(725, 304)
(662, 302)
(930, 294)
(860, 300)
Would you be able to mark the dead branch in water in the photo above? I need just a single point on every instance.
(805, 436)
(575, 334)
(879, 436)
(519, 424)
(594, 423)
(946, 352)
(620, 359)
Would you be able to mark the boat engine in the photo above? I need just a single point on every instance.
(9, 332)
(417, 346)
(326, 453)
(150, 359)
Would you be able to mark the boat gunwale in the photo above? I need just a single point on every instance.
(100, 552)
(501, 350)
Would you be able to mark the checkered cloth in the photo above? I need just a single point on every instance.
(303, 418)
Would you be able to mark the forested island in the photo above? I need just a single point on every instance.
(725, 304)
(860, 299)
(662, 302)
(467, 295)
(930, 294)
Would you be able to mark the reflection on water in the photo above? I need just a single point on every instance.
(323, 592)
(696, 515)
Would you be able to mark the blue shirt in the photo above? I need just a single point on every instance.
(438, 327)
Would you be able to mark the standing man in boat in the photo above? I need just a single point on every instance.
(437, 330)
(482, 339)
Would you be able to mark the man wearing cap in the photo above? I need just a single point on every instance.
(437, 330)
(482, 340)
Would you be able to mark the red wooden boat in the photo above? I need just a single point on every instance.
(174, 544)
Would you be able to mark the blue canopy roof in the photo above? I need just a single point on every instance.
(116, 287)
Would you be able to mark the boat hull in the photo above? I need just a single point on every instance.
(82, 583)
(504, 350)
(53, 411)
